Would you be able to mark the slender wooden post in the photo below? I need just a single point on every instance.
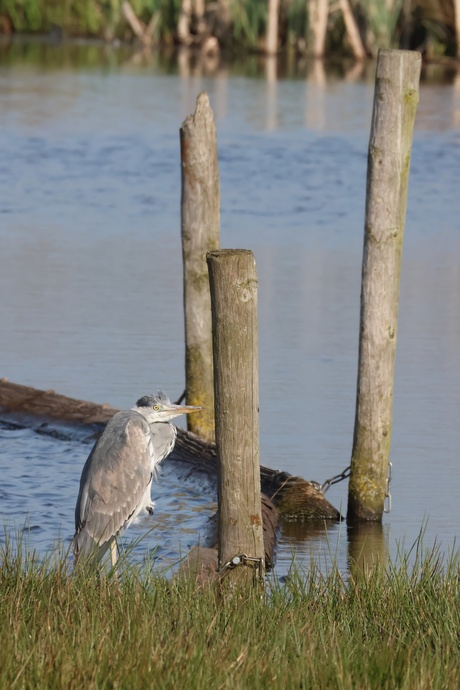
(318, 12)
(271, 44)
(200, 223)
(352, 30)
(395, 104)
(457, 24)
(233, 280)
(183, 24)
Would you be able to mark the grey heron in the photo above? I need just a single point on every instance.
(117, 476)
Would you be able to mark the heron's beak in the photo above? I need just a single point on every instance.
(186, 409)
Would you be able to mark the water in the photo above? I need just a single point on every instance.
(91, 293)
(40, 482)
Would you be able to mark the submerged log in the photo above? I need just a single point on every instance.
(202, 562)
(59, 415)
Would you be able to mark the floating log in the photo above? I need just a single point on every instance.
(58, 415)
(202, 562)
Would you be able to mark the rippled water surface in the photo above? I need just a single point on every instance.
(91, 293)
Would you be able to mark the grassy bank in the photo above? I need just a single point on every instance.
(397, 628)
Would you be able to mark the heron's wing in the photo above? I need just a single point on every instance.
(114, 480)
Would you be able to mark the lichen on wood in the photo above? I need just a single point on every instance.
(395, 100)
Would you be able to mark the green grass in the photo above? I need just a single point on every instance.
(397, 627)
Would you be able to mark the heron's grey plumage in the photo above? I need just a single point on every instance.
(116, 479)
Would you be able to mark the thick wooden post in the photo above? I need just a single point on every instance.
(233, 281)
(395, 104)
(200, 223)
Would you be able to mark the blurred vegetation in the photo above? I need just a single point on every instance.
(426, 25)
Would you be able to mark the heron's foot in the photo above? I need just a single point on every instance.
(150, 508)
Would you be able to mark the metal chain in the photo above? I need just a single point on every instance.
(244, 559)
(387, 500)
(333, 480)
(346, 473)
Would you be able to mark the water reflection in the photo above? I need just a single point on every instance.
(368, 546)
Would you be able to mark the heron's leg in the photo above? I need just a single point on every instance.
(113, 552)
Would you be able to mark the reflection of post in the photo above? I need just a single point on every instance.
(367, 547)
(456, 103)
(233, 280)
(271, 66)
(200, 212)
(395, 104)
(221, 93)
(315, 92)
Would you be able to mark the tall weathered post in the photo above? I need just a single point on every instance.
(395, 104)
(200, 225)
(233, 281)
(271, 42)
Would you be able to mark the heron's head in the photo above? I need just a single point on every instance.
(158, 408)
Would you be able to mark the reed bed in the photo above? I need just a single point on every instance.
(427, 25)
(394, 627)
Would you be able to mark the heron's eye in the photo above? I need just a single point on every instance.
(156, 408)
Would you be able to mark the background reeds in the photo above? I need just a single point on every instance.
(426, 25)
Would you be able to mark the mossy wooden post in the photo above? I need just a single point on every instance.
(233, 281)
(395, 104)
(200, 224)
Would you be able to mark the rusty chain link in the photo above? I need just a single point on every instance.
(244, 559)
(333, 480)
(325, 486)
(387, 500)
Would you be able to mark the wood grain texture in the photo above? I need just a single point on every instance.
(200, 230)
(233, 281)
(395, 103)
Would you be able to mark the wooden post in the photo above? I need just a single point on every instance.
(318, 12)
(271, 44)
(183, 24)
(395, 104)
(352, 30)
(233, 280)
(457, 25)
(200, 223)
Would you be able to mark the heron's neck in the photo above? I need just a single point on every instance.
(163, 437)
